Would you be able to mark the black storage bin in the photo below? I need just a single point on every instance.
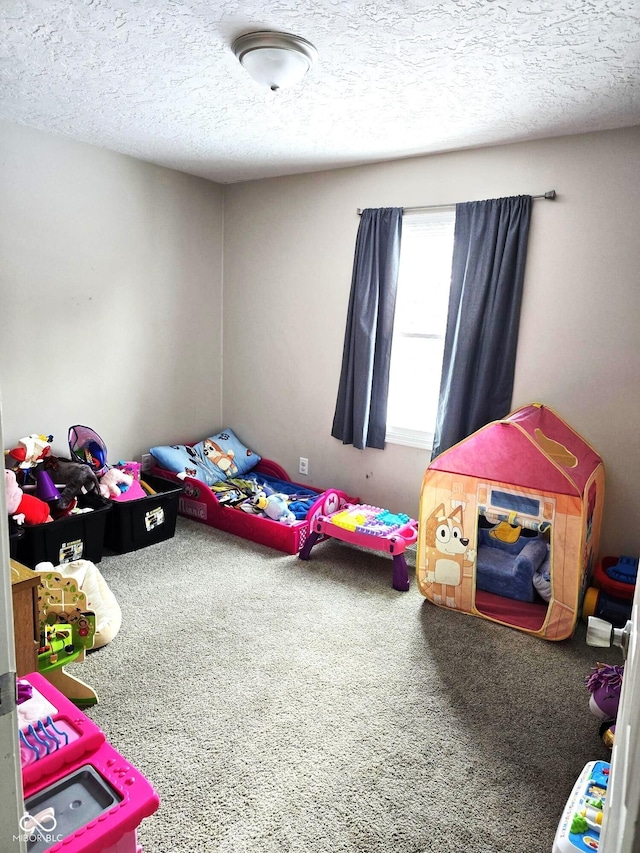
(15, 533)
(144, 521)
(79, 536)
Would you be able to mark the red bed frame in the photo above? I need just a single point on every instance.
(199, 503)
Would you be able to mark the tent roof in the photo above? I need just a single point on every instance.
(532, 447)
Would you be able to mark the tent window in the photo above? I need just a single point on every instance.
(558, 452)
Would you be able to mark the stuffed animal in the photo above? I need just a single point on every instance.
(75, 476)
(114, 482)
(274, 506)
(605, 686)
(24, 509)
(31, 450)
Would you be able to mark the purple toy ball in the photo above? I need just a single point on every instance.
(605, 684)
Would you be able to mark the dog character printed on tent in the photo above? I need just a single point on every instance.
(447, 552)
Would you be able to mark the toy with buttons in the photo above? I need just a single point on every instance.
(581, 821)
(368, 527)
(62, 643)
(67, 631)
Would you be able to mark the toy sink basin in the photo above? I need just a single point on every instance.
(76, 799)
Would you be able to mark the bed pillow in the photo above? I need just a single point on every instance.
(183, 460)
(224, 455)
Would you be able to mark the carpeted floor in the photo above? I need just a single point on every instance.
(283, 705)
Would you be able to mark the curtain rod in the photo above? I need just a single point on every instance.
(548, 196)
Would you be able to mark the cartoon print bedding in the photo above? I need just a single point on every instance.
(229, 486)
(241, 493)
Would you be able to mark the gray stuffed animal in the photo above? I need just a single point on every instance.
(75, 476)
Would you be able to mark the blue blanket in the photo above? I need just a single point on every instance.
(300, 499)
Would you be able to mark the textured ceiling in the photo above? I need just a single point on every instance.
(157, 79)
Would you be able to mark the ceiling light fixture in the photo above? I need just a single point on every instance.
(275, 60)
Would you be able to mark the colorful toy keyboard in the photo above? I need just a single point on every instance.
(579, 827)
(369, 527)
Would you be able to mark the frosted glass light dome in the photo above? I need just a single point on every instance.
(275, 60)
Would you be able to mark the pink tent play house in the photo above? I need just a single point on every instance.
(510, 523)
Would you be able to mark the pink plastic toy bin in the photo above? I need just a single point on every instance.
(81, 795)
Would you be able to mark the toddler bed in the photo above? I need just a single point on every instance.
(222, 480)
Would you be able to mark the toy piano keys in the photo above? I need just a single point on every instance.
(81, 796)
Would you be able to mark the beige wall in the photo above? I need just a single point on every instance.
(110, 295)
(287, 270)
(111, 302)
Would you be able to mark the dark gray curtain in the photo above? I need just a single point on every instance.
(361, 408)
(489, 254)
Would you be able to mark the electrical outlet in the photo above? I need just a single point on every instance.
(147, 462)
(304, 465)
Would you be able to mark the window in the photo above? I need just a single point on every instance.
(419, 328)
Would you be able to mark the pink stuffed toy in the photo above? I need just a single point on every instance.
(114, 482)
(24, 508)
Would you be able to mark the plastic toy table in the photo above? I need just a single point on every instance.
(369, 527)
